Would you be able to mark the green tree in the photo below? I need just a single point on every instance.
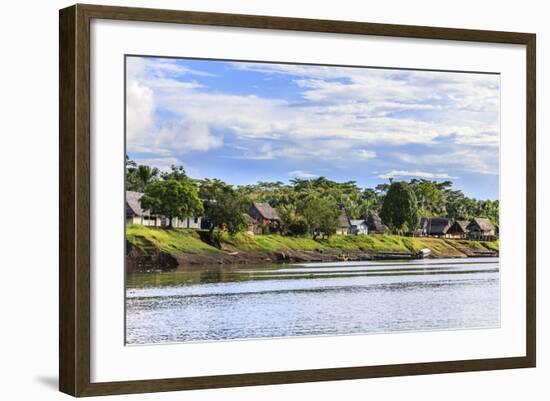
(223, 205)
(287, 214)
(400, 207)
(488, 209)
(298, 227)
(321, 215)
(139, 176)
(430, 197)
(459, 206)
(172, 198)
(176, 173)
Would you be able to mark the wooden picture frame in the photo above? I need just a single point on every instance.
(74, 199)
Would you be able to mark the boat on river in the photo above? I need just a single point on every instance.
(389, 255)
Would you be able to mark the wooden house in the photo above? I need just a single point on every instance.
(251, 226)
(265, 217)
(375, 225)
(434, 226)
(359, 227)
(343, 224)
(482, 229)
(459, 229)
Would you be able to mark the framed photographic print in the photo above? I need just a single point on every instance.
(250, 200)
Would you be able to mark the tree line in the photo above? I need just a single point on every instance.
(305, 206)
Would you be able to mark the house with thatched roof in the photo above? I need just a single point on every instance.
(375, 225)
(135, 214)
(343, 224)
(434, 226)
(266, 217)
(251, 226)
(481, 228)
(459, 229)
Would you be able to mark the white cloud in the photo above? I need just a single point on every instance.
(140, 108)
(302, 174)
(159, 67)
(415, 174)
(345, 112)
(146, 80)
(366, 154)
(480, 161)
(265, 152)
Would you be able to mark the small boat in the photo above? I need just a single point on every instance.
(389, 255)
(424, 252)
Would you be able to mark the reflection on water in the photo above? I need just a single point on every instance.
(221, 303)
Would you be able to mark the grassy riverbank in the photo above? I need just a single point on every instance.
(182, 247)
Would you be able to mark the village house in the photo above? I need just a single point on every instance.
(359, 227)
(343, 224)
(188, 222)
(136, 215)
(481, 228)
(266, 218)
(459, 229)
(375, 225)
(251, 226)
(434, 226)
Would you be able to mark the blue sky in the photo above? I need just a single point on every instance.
(245, 122)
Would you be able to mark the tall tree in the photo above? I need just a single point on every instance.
(430, 197)
(400, 207)
(139, 176)
(321, 215)
(223, 205)
(172, 198)
(177, 173)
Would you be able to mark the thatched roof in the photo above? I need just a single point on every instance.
(374, 223)
(357, 222)
(483, 224)
(435, 225)
(266, 211)
(248, 219)
(132, 202)
(343, 221)
(459, 226)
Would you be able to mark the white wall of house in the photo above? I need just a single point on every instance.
(145, 221)
(188, 222)
(359, 229)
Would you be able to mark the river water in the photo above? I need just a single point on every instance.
(222, 303)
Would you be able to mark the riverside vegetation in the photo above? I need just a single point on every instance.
(153, 248)
(309, 210)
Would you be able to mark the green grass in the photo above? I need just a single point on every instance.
(149, 239)
(492, 245)
(271, 243)
(168, 240)
(369, 243)
(439, 247)
(395, 243)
